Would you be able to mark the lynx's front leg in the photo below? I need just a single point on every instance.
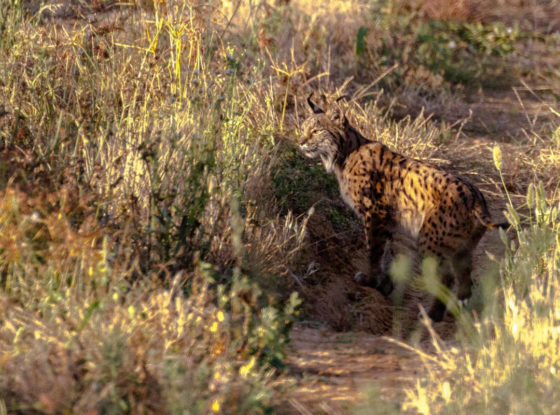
(378, 235)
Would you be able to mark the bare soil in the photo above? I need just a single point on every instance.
(334, 369)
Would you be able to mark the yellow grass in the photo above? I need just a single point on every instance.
(153, 208)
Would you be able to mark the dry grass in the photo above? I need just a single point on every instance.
(141, 142)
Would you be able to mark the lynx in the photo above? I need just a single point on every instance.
(445, 215)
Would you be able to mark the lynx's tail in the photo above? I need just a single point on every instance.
(492, 225)
(483, 215)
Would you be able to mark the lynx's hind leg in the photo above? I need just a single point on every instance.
(438, 308)
(434, 241)
(463, 264)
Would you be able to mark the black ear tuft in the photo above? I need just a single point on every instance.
(316, 109)
(340, 98)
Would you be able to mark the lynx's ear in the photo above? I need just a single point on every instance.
(316, 109)
(336, 114)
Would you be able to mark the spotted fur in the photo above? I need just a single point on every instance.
(444, 214)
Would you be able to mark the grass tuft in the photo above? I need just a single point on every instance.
(155, 217)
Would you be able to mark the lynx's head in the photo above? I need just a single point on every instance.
(323, 133)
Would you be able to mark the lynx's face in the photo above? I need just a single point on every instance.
(317, 140)
(322, 135)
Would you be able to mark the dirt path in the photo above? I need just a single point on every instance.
(335, 371)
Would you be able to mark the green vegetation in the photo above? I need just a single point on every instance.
(155, 220)
(297, 184)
